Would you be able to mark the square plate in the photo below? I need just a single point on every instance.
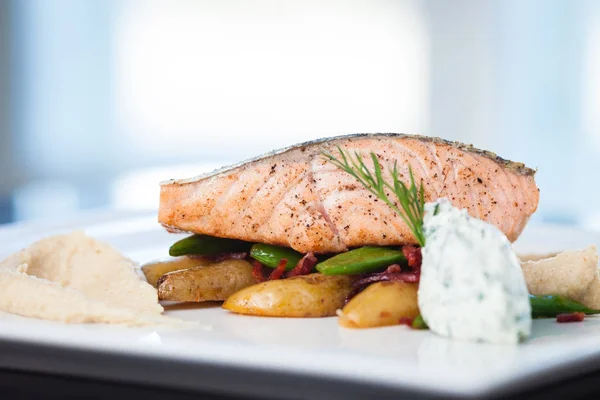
(278, 357)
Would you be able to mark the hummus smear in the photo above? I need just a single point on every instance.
(74, 278)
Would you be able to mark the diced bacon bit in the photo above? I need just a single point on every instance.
(413, 256)
(406, 321)
(570, 317)
(392, 269)
(279, 270)
(393, 273)
(257, 271)
(229, 256)
(199, 257)
(304, 266)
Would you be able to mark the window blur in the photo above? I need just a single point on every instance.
(102, 99)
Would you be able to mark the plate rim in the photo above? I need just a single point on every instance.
(89, 219)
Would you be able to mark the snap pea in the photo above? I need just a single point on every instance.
(270, 255)
(361, 261)
(419, 323)
(207, 245)
(541, 307)
(551, 306)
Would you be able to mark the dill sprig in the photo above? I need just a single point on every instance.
(411, 199)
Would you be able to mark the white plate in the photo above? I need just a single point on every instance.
(287, 357)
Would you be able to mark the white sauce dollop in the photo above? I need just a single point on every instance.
(472, 286)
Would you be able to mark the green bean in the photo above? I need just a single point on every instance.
(361, 261)
(551, 306)
(270, 255)
(207, 245)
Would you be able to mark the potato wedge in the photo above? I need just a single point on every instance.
(213, 282)
(380, 304)
(155, 269)
(307, 296)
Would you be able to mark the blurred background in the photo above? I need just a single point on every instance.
(100, 100)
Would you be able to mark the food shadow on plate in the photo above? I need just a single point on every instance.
(396, 341)
(424, 348)
(170, 306)
(465, 355)
(548, 330)
(317, 333)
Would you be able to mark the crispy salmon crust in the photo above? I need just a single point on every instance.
(294, 197)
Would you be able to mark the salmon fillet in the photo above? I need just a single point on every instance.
(294, 197)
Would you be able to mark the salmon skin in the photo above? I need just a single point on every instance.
(295, 197)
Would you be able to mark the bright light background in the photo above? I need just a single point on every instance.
(220, 82)
(110, 97)
(229, 79)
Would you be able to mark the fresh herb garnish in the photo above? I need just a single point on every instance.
(411, 199)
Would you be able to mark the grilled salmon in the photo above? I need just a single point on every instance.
(295, 197)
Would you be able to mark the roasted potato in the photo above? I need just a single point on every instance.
(154, 270)
(213, 282)
(380, 304)
(312, 295)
